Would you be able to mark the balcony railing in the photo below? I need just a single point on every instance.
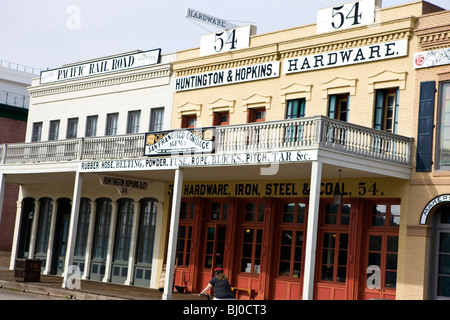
(292, 134)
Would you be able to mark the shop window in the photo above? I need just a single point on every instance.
(91, 126)
(83, 228)
(102, 223)
(184, 245)
(189, 121)
(187, 210)
(254, 212)
(293, 212)
(291, 251)
(134, 118)
(215, 247)
(334, 257)
(146, 235)
(157, 119)
(384, 215)
(338, 106)
(251, 250)
(218, 211)
(337, 215)
(256, 115)
(386, 110)
(221, 118)
(43, 231)
(111, 124)
(123, 230)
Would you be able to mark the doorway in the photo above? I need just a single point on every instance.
(61, 234)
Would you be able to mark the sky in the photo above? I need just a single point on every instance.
(47, 34)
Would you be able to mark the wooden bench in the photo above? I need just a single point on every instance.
(251, 292)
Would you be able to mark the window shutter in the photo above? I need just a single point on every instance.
(425, 126)
(332, 107)
(397, 103)
(379, 106)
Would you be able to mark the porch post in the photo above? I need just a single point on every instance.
(87, 260)
(173, 234)
(17, 224)
(72, 237)
(311, 232)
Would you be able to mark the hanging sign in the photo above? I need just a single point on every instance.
(123, 184)
(381, 51)
(102, 66)
(209, 19)
(229, 76)
(432, 58)
(197, 140)
(349, 15)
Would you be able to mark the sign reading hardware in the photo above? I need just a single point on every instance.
(175, 162)
(198, 140)
(229, 76)
(432, 58)
(209, 19)
(103, 66)
(346, 57)
(349, 15)
(227, 40)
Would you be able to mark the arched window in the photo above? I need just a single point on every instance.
(146, 235)
(45, 217)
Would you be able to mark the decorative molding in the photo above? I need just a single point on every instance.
(339, 85)
(257, 101)
(296, 91)
(189, 108)
(221, 105)
(387, 79)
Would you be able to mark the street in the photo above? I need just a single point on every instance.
(8, 294)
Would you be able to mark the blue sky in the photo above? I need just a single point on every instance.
(50, 33)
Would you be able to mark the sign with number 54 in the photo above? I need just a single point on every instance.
(349, 15)
(226, 40)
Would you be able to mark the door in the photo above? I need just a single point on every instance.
(214, 249)
(61, 234)
(26, 223)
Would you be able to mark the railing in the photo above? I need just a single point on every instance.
(292, 134)
(14, 99)
(19, 67)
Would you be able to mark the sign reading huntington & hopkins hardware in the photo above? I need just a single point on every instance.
(196, 140)
(102, 66)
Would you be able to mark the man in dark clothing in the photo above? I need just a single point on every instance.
(220, 285)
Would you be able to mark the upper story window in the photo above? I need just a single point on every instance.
(133, 121)
(111, 124)
(338, 106)
(157, 119)
(91, 126)
(443, 142)
(295, 108)
(386, 110)
(37, 132)
(221, 118)
(54, 130)
(72, 128)
(256, 115)
(188, 121)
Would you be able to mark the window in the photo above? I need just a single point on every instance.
(147, 225)
(72, 128)
(123, 230)
(54, 130)
(185, 233)
(91, 126)
(218, 211)
(111, 124)
(444, 126)
(156, 119)
(290, 253)
(215, 247)
(256, 115)
(295, 108)
(386, 110)
(221, 118)
(251, 250)
(37, 132)
(334, 257)
(338, 106)
(103, 218)
(45, 217)
(188, 121)
(83, 227)
(133, 121)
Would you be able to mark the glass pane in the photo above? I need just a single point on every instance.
(301, 213)
(246, 265)
(286, 238)
(443, 286)
(343, 241)
(261, 212)
(259, 233)
(378, 215)
(288, 217)
(444, 264)
(328, 240)
(328, 256)
(375, 243)
(299, 238)
(327, 273)
(298, 254)
(445, 214)
(225, 211)
(395, 215)
(391, 279)
(444, 242)
(248, 235)
(284, 268)
(392, 244)
(285, 253)
(342, 258)
(211, 232)
(391, 262)
(341, 274)
(297, 267)
(247, 250)
(256, 269)
(374, 259)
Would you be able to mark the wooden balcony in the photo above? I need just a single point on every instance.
(285, 135)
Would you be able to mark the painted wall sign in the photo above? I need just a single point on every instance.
(294, 188)
(227, 40)
(430, 205)
(432, 58)
(209, 19)
(349, 15)
(382, 51)
(103, 66)
(175, 162)
(161, 143)
(123, 184)
(229, 76)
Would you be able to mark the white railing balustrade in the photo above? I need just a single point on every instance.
(291, 134)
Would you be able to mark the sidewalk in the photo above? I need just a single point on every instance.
(90, 290)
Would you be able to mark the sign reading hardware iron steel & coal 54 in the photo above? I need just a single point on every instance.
(197, 140)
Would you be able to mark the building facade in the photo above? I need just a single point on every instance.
(14, 103)
(286, 158)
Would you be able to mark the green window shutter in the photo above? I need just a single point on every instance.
(379, 106)
(425, 126)
(332, 107)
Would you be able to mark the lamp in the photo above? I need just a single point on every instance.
(337, 195)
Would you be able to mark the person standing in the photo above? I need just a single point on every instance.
(219, 283)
